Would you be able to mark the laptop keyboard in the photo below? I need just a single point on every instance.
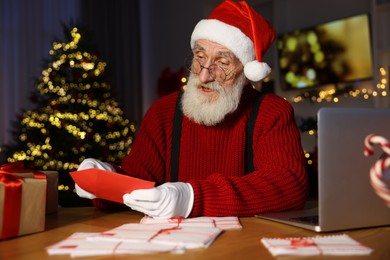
(307, 219)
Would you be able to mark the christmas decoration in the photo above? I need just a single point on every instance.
(380, 171)
(76, 115)
(335, 94)
(170, 81)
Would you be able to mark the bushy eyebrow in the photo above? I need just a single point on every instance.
(226, 54)
(198, 47)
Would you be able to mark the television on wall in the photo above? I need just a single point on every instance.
(330, 53)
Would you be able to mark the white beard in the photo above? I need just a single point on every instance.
(203, 109)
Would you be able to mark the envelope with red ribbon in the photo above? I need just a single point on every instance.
(108, 185)
(22, 201)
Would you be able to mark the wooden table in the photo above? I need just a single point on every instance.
(233, 244)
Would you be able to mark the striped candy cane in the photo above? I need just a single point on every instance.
(380, 171)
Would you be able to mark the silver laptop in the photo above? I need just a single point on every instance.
(346, 199)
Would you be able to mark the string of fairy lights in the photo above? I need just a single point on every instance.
(333, 95)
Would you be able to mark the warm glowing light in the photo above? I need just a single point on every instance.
(78, 115)
(333, 95)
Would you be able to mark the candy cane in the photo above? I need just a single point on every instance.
(380, 171)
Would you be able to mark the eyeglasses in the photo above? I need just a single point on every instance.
(218, 72)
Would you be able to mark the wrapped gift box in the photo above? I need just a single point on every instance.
(22, 208)
(25, 197)
(52, 189)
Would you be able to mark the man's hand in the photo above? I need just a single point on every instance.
(83, 193)
(87, 164)
(94, 163)
(168, 200)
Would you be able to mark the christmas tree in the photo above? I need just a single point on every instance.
(76, 116)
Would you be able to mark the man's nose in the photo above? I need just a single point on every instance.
(205, 75)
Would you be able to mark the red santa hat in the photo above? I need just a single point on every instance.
(238, 27)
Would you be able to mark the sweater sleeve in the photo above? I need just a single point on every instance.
(279, 181)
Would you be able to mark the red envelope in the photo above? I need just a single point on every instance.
(108, 185)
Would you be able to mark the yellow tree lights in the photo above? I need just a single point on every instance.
(76, 116)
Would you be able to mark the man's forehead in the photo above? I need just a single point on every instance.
(204, 45)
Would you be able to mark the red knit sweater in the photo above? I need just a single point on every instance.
(212, 158)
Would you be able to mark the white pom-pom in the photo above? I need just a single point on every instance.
(256, 71)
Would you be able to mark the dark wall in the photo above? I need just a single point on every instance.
(115, 27)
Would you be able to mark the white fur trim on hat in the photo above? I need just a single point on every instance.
(256, 71)
(229, 36)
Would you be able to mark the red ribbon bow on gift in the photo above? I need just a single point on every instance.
(13, 196)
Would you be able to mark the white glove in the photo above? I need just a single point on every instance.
(87, 164)
(83, 193)
(94, 163)
(171, 199)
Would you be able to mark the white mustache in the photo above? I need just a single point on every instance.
(211, 85)
(208, 110)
